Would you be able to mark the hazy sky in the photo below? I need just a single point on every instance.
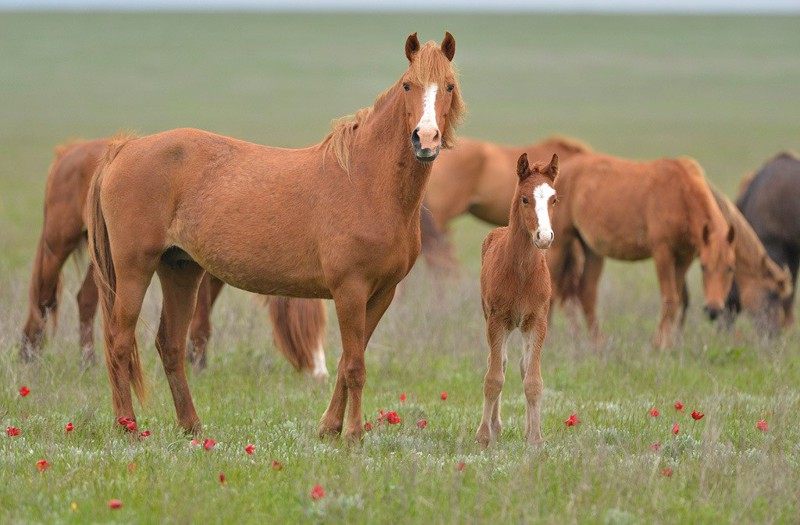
(739, 6)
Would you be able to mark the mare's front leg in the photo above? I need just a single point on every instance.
(534, 331)
(88, 298)
(497, 333)
(670, 297)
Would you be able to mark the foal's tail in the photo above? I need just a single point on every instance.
(298, 327)
(436, 246)
(105, 274)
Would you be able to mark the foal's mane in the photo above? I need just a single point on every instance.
(429, 66)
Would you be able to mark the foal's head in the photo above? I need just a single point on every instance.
(535, 198)
(433, 103)
(717, 260)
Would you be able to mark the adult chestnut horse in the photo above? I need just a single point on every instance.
(631, 210)
(770, 201)
(515, 293)
(477, 177)
(298, 324)
(336, 220)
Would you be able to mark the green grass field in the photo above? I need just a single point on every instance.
(721, 89)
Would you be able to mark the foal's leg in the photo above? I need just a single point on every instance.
(497, 333)
(534, 331)
(670, 298)
(87, 308)
(179, 283)
(592, 269)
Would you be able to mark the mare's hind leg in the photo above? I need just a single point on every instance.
(587, 289)
(200, 332)
(179, 283)
(497, 333)
(534, 331)
(87, 308)
(670, 298)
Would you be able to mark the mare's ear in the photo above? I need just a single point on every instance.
(551, 171)
(706, 233)
(523, 168)
(412, 46)
(449, 46)
(731, 234)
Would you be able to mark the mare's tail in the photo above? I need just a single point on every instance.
(105, 274)
(436, 246)
(298, 327)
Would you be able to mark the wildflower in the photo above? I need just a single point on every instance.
(679, 406)
(114, 504)
(402, 398)
(460, 466)
(655, 447)
(676, 429)
(277, 465)
(390, 417)
(572, 420)
(144, 434)
(12, 431)
(654, 412)
(317, 493)
(74, 507)
(762, 425)
(128, 423)
(42, 465)
(667, 472)
(422, 423)
(444, 396)
(194, 443)
(69, 427)
(131, 467)
(222, 479)
(697, 416)
(24, 391)
(250, 449)
(208, 444)
(367, 426)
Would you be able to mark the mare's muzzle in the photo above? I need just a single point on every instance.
(712, 312)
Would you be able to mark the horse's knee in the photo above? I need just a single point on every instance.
(533, 386)
(355, 376)
(492, 386)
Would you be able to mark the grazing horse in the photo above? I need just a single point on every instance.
(336, 220)
(770, 201)
(631, 211)
(299, 324)
(477, 177)
(515, 293)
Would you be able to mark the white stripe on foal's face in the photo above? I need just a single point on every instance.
(428, 119)
(541, 198)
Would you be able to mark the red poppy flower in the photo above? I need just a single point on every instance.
(390, 417)
(24, 391)
(422, 423)
(460, 466)
(208, 444)
(194, 443)
(762, 425)
(12, 431)
(144, 434)
(114, 504)
(367, 426)
(69, 427)
(444, 396)
(679, 406)
(250, 449)
(277, 465)
(402, 398)
(676, 429)
(42, 465)
(654, 412)
(667, 472)
(572, 420)
(131, 467)
(697, 415)
(655, 447)
(222, 479)
(317, 493)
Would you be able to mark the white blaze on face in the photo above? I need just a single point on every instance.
(428, 120)
(541, 198)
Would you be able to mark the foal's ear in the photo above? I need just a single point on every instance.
(449, 46)
(731, 234)
(523, 168)
(412, 46)
(551, 171)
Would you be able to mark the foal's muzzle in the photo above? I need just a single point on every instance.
(712, 312)
(543, 239)
(422, 153)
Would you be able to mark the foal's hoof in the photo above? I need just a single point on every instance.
(328, 430)
(354, 437)
(88, 359)
(28, 351)
(484, 435)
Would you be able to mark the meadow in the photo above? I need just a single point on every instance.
(720, 89)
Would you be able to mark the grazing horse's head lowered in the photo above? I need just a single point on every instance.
(431, 92)
(535, 198)
(717, 262)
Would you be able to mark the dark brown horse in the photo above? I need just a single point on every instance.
(631, 211)
(336, 220)
(298, 324)
(770, 201)
(477, 177)
(515, 293)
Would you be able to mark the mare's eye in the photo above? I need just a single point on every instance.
(703, 267)
(524, 200)
(406, 86)
(450, 87)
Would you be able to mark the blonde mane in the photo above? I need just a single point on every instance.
(429, 66)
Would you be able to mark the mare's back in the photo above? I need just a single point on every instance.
(771, 202)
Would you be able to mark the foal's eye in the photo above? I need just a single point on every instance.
(406, 86)
(524, 200)
(703, 267)
(730, 269)
(450, 87)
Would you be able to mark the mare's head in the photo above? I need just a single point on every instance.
(433, 103)
(717, 262)
(535, 198)
(763, 294)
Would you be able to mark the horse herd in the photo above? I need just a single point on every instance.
(347, 218)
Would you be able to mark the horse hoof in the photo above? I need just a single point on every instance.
(483, 436)
(328, 431)
(353, 437)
